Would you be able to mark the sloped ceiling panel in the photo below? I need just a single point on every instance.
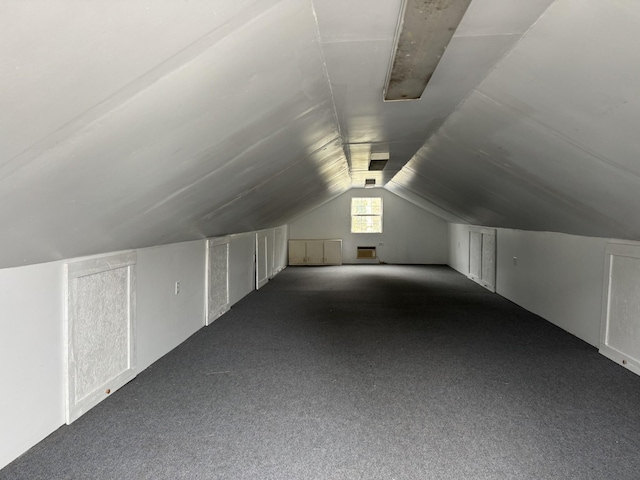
(301, 195)
(65, 63)
(242, 123)
(547, 141)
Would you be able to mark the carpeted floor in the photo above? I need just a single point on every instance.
(371, 372)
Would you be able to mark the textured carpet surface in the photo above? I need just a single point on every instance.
(371, 372)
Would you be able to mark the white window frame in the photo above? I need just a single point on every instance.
(352, 215)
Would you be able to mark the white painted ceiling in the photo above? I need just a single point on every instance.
(126, 124)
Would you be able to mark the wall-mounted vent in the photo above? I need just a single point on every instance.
(369, 182)
(366, 252)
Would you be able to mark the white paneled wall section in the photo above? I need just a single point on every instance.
(32, 309)
(554, 275)
(410, 235)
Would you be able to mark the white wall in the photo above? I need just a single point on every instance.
(280, 248)
(31, 356)
(164, 319)
(459, 247)
(32, 335)
(410, 235)
(559, 277)
(242, 275)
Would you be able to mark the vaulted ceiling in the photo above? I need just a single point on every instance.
(128, 124)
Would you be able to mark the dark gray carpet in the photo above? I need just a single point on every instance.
(371, 372)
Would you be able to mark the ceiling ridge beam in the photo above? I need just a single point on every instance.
(325, 72)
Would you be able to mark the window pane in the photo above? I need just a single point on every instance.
(366, 224)
(376, 206)
(358, 206)
(366, 206)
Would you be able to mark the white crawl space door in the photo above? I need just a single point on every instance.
(475, 255)
(217, 278)
(620, 327)
(482, 257)
(262, 262)
(271, 251)
(279, 250)
(100, 329)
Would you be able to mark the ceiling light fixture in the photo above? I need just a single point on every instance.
(424, 30)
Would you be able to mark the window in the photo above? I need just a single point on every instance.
(366, 215)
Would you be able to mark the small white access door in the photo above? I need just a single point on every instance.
(315, 252)
(297, 252)
(620, 327)
(271, 243)
(280, 249)
(482, 257)
(262, 260)
(333, 252)
(100, 330)
(217, 278)
(475, 255)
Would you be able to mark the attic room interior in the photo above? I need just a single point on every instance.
(467, 171)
